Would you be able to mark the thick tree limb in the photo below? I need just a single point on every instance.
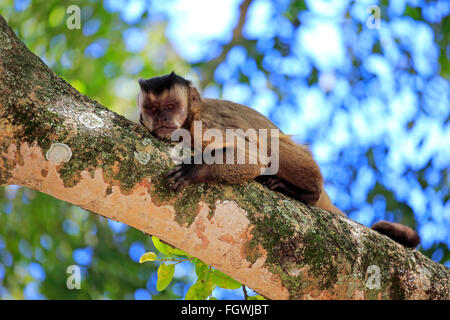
(55, 140)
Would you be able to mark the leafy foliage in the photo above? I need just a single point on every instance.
(207, 277)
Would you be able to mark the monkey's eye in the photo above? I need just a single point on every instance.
(169, 106)
(150, 107)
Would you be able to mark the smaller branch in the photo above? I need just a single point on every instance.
(210, 66)
(245, 292)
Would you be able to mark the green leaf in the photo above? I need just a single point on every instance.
(413, 12)
(167, 249)
(148, 256)
(224, 281)
(257, 297)
(161, 247)
(177, 251)
(204, 285)
(56, 16)
(201, 270)
(194, 292)
(165, 275)
(199, 290)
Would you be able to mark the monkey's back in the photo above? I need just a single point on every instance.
(223, 114)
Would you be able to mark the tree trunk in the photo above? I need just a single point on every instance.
(58, 141)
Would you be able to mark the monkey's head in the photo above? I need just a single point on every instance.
(164, 103)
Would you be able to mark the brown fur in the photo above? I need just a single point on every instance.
(296, 164)
(298, 176)
(398, 232)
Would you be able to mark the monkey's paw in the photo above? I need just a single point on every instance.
(277, 184)
(274, 183)
(180, 176)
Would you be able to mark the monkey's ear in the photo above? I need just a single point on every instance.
(194, 95)
(142, 83)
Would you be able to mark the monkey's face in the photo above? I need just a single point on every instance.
(163, 114)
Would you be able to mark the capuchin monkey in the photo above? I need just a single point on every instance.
(170, 102)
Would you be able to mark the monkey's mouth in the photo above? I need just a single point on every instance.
(164, 131)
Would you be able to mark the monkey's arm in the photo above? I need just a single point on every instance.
(184, 174)
(298, 176)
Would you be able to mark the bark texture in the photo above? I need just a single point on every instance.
(58, 141)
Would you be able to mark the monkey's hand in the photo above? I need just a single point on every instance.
(185, 174)
(180, 176)
(277, 184)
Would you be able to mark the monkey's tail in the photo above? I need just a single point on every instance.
(398, 232)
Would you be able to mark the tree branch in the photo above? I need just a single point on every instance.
(58, 141)
(210, 66)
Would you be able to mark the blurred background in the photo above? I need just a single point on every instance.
(370, 96)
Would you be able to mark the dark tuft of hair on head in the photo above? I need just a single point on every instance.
(158, 85)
